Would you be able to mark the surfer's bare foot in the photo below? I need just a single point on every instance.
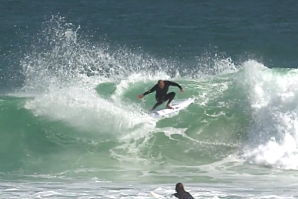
(169, 107)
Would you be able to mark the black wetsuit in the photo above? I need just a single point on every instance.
(161, 93)
(184, 195)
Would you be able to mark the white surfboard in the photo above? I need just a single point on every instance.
(155, 195)
(177, 107)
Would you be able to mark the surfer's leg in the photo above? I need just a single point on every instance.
(156, 105)
(170, 96)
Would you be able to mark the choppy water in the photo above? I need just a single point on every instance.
(71, 125)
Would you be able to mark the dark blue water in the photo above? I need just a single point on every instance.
(174, 30)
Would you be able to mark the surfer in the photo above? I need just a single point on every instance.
(161, 95)
(181, 193)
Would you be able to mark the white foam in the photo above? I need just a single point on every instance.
(82, 107)
(273, 99)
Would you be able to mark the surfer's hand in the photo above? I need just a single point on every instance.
(140, 96)
(181, 90)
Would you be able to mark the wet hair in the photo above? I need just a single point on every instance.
(179, 188)
(160, 81)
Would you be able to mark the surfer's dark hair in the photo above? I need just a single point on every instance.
(179, 188)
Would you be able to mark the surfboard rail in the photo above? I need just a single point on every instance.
(176, 108)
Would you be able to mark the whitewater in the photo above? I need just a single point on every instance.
(76, 120)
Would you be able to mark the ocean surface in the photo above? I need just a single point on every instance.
(71, 125)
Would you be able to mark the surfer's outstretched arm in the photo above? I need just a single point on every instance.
(147, 92)
(150, 91)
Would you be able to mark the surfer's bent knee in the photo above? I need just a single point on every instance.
(172, 94)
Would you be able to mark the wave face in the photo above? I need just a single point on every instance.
(77, 110)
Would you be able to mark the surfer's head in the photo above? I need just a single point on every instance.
(179, 188)
(161, 83)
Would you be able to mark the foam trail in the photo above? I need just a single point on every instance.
(82, 107)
